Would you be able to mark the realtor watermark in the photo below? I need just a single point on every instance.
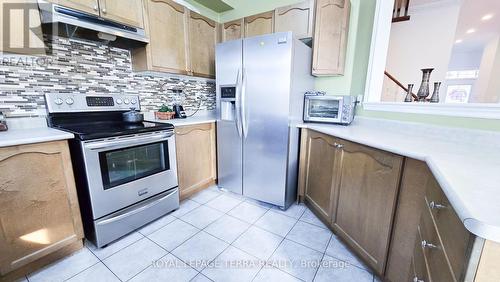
(21, 28)
(22, 36)
(249, 264)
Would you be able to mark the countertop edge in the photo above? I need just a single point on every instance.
(57, 135)
(474, 225)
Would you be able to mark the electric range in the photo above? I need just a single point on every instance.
(125, 173)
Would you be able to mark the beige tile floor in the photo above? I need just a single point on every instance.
(218, 236)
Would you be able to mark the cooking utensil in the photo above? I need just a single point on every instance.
(133, 116)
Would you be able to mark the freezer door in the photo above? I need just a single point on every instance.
(229, 142)
(265, 110)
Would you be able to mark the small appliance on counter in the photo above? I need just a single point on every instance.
(319, 107)
(3, 123)
(179, 111)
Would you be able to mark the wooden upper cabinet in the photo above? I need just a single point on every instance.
(367, 192)
(259, 24)
(166, 50)
(196, 157)
(129, 12)
(330, 37)
(320, 172)
(39, 212)
(87, 6)
(202, 40)
(12, 38)
(232, 30)
(298, 18)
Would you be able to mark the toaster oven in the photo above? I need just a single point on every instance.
(329, 109)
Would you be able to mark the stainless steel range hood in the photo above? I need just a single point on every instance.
(54, 14)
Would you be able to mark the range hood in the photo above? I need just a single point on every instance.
(54, 14)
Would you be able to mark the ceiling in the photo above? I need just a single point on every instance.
(217, 6)
(470, 16)
(227, 10)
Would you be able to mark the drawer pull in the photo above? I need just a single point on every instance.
(428, 245)
(435, 206)
(416, 279)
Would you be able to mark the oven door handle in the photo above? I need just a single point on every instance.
(135, 210)
(117, 143)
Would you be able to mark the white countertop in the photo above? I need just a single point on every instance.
(466, 163)
(198, 118)
(20, 136)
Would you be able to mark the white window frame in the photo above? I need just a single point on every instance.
(375, 77)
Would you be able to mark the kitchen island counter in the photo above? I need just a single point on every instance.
(464, 162)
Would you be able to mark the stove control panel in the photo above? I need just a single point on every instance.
(67, 103)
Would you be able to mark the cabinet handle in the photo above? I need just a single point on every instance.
(96, 8)
(428, 245)
(416, 279)
(338, 146)
(435, 206)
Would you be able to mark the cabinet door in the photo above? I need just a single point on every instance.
(320, 172)
(259, 24)
(195, 146)
(296, 18)
(128, 12)
(14, 28)
(39, 211)
(330, 37)
(167, 36)
(415, 177)
(369, 181)
(88, 6)
(232, 30)
(202, 40)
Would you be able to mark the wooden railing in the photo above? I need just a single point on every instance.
(398, 83)
(400, 11)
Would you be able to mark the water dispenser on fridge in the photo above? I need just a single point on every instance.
(228, 103)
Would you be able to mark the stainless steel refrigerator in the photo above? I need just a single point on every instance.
(260, 90)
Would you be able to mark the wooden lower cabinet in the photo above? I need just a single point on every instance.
(391, 212)
(196, 157)
(367, 193)
(319, 172)
(416, 175)
(353, 188)
(39, 211)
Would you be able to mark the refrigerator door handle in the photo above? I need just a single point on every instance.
(238, 104)
(244, 122)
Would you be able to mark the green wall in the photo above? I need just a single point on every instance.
(353, 82)
(358, 52)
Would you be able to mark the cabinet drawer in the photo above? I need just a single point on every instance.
(419, 267)
(433, 250)
(454, 236)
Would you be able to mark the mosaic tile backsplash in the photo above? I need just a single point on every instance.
(77, 66)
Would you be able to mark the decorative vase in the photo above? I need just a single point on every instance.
(409, 96)
(435, 94)
(423, 91)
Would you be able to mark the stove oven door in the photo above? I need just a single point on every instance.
(125, 170)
